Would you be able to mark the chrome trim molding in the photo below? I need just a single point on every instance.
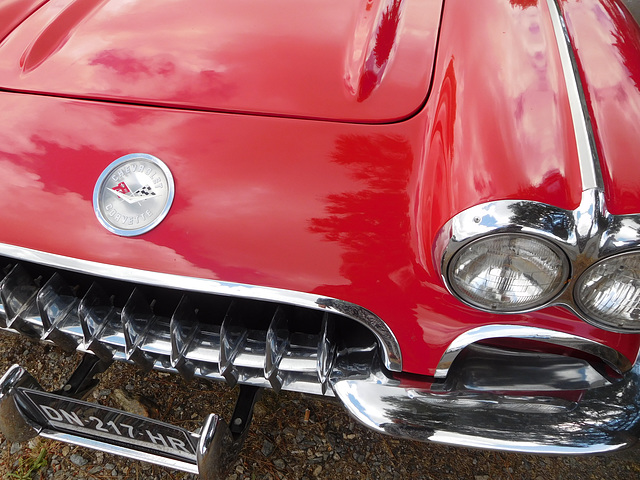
(585, 141)
(391, 354)
(614, 359)
(585, 235)
(605, 419)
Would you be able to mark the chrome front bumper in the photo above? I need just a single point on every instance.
(603, 419)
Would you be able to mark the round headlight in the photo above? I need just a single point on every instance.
(508, 272)
(608, 293)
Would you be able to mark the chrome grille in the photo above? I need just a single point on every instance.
(238, 340)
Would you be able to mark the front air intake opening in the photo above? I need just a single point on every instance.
(508, 365)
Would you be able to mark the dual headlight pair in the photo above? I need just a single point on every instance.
(514, 272)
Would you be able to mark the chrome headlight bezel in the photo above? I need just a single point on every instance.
(587, 235)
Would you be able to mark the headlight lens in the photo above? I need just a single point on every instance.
(608, 293)
(508, 272)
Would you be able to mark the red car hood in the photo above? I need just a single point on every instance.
(214, 55)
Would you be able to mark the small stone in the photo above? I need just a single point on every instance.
(267, 448)
(65, 451)
(96, 469)
(109, 466)
(15, 448)
(78, 460)
(279, 463)
(336, 457)
(317, 470)
(240, 469)
(481, 477)
(129, 403)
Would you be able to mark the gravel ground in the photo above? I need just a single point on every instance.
(292, 436)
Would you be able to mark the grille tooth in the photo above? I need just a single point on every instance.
(277, 343)
(184, 328)
(233, 337)
(58, 308)
(18, 295)
(100, 322)
(326, 351)
(204, 350)
(138, 322)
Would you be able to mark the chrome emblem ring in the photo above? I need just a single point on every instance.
(133, 194)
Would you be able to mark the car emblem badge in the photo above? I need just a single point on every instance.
(133, 194)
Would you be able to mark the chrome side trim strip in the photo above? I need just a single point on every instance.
(392, 356)
(585, 142)
(617, 361)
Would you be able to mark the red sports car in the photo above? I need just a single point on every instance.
(429, 209)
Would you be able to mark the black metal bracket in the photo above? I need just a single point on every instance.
(243, 412)
(81, 381)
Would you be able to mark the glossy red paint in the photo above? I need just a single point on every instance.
(607, 46)
(14, 12)
(326, 60)
(339, 209)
